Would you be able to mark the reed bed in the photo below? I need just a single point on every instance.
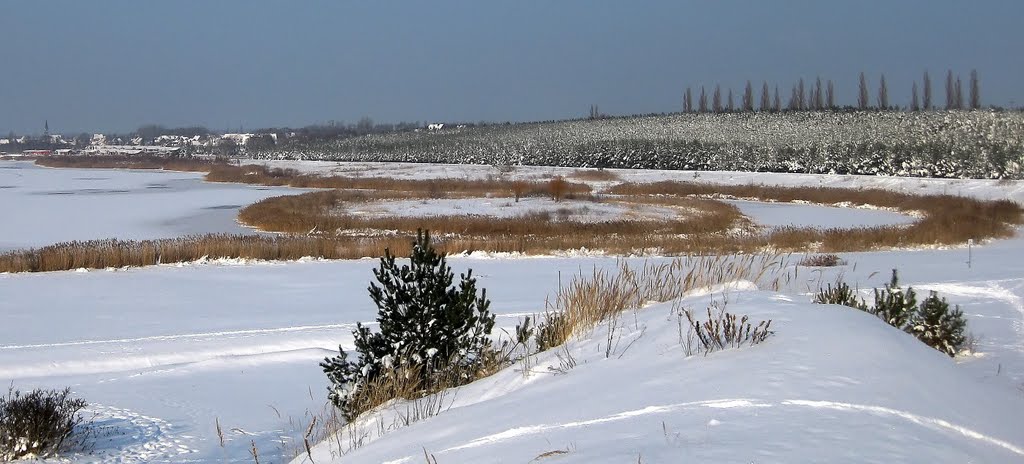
(947, 220)
(324, 212)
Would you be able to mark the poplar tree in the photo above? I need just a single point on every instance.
(975, 91)
(716, 100)
(883, 94)
(702, 104)
(927, 83)
(950, 95)
(766, 102)
(748, 97)
(819, 102)
(862, 93)
(959, 101)
(801, 101)
(830, 95)
(914, 105)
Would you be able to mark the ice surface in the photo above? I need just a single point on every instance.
(43, 206)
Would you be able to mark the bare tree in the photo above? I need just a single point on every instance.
(716, 100)
(914, 104)
(702, 104)
(748, 97)
(766, 102)
(975, 91)
(830, 95)
(862, 93)
(729, 105)
(883, 94)
(927, 83)
(950, 95)
(959, 99)
(794, 99)
(819, 101)
(801, 100)
(777, 104)
(688, 101)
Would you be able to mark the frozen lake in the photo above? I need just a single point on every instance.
(825, 217)
(42, 206)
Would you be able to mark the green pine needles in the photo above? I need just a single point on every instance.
(932, 321)
(432, 333)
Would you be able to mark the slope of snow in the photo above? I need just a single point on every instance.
(832, 384)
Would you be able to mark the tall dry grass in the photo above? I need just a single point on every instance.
(101, 254)
(590, 299)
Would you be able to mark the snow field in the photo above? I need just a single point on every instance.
(163, 352)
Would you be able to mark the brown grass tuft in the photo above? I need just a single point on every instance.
(826, 260)
(588, 300)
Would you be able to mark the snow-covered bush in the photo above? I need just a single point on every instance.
(841, 294)
(432, 333)
(938, 326)
(931, 321)
(40, 423)
(894, 305)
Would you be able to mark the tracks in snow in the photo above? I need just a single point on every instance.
(743, 403)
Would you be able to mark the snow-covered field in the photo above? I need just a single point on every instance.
(165, 353)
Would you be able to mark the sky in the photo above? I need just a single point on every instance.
(115, 65)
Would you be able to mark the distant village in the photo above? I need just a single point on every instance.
(163, 144)
(190, 141)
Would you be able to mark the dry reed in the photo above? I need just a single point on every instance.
(588, 300)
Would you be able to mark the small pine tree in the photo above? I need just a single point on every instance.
(426, 323)
(938, 326)
(894, 305)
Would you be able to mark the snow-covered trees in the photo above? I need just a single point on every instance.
(429, 329)
(960, 144)
(938, 326)
(931, 321)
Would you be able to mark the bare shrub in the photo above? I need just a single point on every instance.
(40, 424)
(825, 260)
(723, 330)
(558, 187)
(594, 175)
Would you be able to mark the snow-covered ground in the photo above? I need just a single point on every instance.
(43, 206)
(165, 353)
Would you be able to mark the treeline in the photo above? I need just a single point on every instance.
(962, 144)
(821, 96)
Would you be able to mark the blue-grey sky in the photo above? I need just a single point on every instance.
(116, 65)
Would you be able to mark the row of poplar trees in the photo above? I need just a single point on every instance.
(822, 96)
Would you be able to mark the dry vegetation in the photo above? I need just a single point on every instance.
(588, 300)
(948, 219)
(317, 223)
